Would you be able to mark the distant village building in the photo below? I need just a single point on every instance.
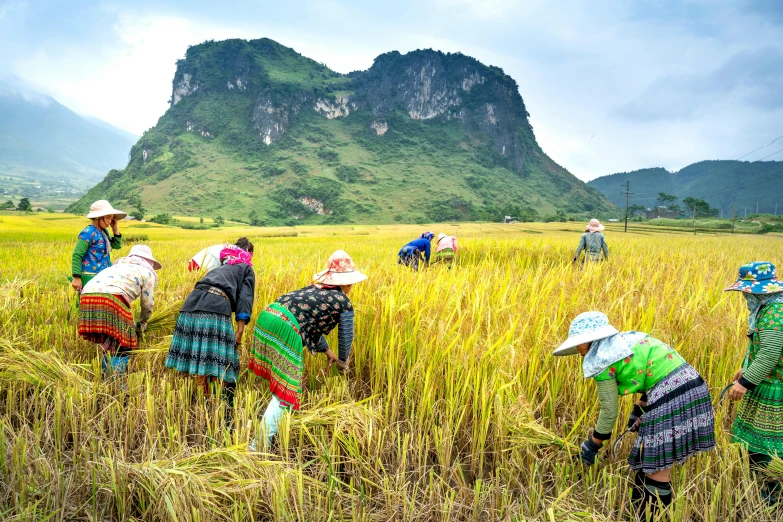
(509, 219)
(661, 212)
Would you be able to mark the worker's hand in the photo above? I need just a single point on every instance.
(331, 359)
(737, 392)
(239, 332)
(77, 284)
(635, 418)
(737, 375)
(589, 451)
(115, 226)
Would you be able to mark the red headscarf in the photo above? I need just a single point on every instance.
(233, 255)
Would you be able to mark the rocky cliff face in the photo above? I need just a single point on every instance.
(314, 144)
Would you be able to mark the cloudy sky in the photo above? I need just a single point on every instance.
(611, 85)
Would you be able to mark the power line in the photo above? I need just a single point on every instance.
(765, 157)
(763, 146)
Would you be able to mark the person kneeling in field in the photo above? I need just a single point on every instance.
(759, 383)
(446, 249)
(675, 399)
(298, 320)
(411, 253)
(105, 316)
(204, 343)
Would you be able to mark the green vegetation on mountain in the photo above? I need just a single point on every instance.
(721, 184)
(258, 133)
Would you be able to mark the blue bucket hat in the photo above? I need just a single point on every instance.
(428, 236)
(758, 277)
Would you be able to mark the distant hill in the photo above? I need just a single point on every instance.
(40, 138)
(722, 183)
(255, 131)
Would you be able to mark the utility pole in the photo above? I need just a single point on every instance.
(694, 221)
(733, 219)
(757, 208)
(746, 211)
(627, 193)
(776, 209)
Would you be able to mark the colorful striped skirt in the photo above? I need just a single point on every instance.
(107, 319)
(276, 354)
(204, 343)
(445, 256)
(678, 422)
(759, 422)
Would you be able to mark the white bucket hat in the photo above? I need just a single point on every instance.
(103, 208)
(585, 328)
(145, 252)
(441, 236)
(340, 270)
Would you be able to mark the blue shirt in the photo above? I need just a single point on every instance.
(418, 245)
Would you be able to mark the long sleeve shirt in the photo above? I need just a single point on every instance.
(652, 360)
(209, 258)
(127, 279)
(419, 245)
(765, 349)
(236, 281)
(92, 251)
(592, 243)
(344, 337)
(447, 242)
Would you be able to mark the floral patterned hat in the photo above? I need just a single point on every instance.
(758, 277)
(585, 328)
(340, 270)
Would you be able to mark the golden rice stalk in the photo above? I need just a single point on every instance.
(165, 318)
(41, 369)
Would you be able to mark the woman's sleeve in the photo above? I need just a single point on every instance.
(580, 247)
(608, 398)
(246, 296)
(78, 257)
(345, 335)
(116, 242)
(147, 299)
(322, 346)
(604, 247)
(427, 249)
(767, 358)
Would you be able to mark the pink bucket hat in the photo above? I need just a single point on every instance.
(340, 270)
(594, 226)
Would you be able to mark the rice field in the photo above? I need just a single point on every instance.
(453, 409)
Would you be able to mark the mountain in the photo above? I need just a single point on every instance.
(255, 131)
(41, 138)
(722, 183)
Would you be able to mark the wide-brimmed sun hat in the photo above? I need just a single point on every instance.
(339, 271)
(145, 252)
(441, 236)
(103, 208)
(594, 226)
(758, 277)
(585, 328)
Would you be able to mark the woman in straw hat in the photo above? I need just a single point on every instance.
(105, 316)
(446, 249)
(674, 416)
(593, 243)
(205, 344)
(759, 383)
(297, 321)
(94, 245)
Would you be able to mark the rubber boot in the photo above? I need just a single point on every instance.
(272, 415)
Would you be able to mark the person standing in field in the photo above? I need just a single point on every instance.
(209, 258)
(105, 316)
(759, 382)
(675, 399)
(446, 249)
(205, 344)
(593, 243)
(94, 245)
(297, 321)
(415, 251)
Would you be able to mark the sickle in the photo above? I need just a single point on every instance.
(617, 443)
(724, 392)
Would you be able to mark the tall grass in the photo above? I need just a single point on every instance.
(454, 408)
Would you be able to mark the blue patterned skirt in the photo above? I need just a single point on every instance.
(204, 344)
(678, 422)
